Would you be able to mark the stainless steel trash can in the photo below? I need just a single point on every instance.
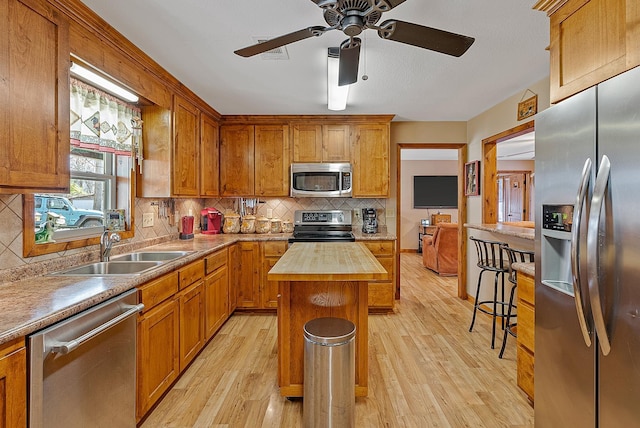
(329, 373)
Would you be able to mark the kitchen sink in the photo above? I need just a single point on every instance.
(110, 268)
(154, 256)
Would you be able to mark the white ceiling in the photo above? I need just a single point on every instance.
(194, 40)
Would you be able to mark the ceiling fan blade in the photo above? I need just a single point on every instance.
(385, 5)
(281, 41)
(349, 60)
(425, 37)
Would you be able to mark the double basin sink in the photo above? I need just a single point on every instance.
(125, 264)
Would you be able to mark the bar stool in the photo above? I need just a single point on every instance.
(515, 256)
(490, 259)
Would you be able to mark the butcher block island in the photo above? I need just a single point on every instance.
(322, 279)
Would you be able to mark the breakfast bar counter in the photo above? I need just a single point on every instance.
(322, 279)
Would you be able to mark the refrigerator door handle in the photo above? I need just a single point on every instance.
(581, 199)
(593, 253)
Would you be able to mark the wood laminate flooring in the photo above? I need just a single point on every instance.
(425, 369)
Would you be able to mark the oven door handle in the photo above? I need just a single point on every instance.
(67, 347)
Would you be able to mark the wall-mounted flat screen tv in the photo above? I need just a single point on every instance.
(435, 191)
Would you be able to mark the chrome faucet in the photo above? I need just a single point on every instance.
(106, 242)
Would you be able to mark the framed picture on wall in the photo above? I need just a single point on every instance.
(472, 178)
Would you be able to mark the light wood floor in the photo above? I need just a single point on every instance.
(425, 370)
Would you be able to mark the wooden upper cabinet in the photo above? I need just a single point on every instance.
(34, 98)
(335, 143)
(152, 178)
(237, 160)
(320, 143)
(590, 41)
(209, 157)
(186, 148)
(272, 160)
(370, 160)
(307, 143)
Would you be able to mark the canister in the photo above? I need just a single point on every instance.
(248, 224)
(287, 226)
(263, 225)
(276, 225)
(231, 223)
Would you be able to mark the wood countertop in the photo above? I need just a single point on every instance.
(327, 261)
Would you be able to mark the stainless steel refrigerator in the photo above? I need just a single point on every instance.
(587, 334)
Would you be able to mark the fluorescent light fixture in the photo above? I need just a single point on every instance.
(103, 83)
(336, 95)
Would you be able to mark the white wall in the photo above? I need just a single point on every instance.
(498, 118)
(411, 217)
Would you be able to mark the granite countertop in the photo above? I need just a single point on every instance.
(381, 235)
(526, 268)
(509, 230)
(327, 261)
(36, 302)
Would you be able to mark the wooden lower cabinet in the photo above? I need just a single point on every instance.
(216, 293)
(158, 362)
(252, 261)
(381, 294)
(13, 384)
(272, 251)
(183, 310)
(191, 302)
(526, 333)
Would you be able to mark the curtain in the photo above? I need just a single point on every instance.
(100, 121)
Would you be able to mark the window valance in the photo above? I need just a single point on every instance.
(102, 122)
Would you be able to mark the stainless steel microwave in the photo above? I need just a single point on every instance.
(321, 180)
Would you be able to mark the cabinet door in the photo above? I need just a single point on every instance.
(370, 160)
(158, 361)
(191, 323)
(591, 41)
(335, 143)
(34, 95)
(307, 143)
(209, 157)
(248, 275)
(156, 140)
(272, 159)
(237, 160)
(269, 295)
(186, 148)
(216, 299)
(13, 384)
(234, 275)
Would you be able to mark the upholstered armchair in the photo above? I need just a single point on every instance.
(440, 250)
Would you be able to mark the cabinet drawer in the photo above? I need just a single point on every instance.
(525, 370)
(190, 274)
(387, 264)
(380, 247)
(274, 248)
(215, 261)
(380, 295)
(157, 291)
(526, 288)
(526, 326)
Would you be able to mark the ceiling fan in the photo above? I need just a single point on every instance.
(354, 16)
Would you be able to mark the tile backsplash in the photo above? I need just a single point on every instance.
(164, 227)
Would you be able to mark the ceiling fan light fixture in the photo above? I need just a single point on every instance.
(336, 95)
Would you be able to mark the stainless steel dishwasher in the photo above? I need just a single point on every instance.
(82, 371)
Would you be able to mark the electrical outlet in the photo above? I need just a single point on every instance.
(147, 220)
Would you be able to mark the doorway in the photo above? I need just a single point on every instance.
(462, 209)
